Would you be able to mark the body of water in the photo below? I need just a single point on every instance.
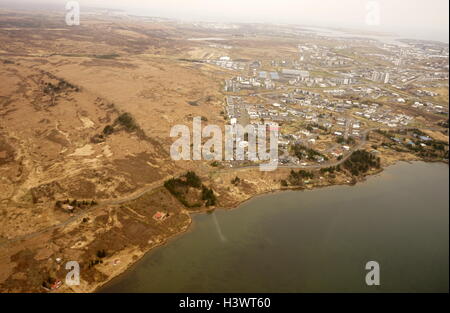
(313, 241)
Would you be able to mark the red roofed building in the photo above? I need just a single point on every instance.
(160, 216)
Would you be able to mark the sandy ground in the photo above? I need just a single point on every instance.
(60, 88)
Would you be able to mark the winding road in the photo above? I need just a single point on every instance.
(160, 183)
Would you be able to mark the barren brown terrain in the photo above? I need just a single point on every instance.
(60, 88)
(85, 119)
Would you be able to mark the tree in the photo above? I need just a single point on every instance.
(296, 178)
(360, 162)
(193, 180)
(236, 181)
(127, 121)
(101, 254)
(208, 196)
(108, 130)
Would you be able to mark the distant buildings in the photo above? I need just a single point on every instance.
(380, 77)
(294, 73)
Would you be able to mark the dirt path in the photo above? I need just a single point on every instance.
(160, 183)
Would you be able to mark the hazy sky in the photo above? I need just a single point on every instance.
(406, 17)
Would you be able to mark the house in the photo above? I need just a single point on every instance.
(292, 72)
(68, 208)
(160, 216)
(263, 75)
(425, 138)
(56, 285)
(319, 159)
(255, 65)
(274, 76)
(336, 153)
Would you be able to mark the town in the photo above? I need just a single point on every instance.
(328, 100)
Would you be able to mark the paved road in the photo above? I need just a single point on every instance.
(160, 183)
(312, 167)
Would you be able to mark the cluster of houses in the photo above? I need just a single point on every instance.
(227, 63)
(430, 107)
(386, 116)
(240, 83)
(307, 113)
(322, 56)
(304, 96)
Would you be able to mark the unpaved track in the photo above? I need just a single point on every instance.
(160, 183)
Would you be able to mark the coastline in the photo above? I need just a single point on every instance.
(88, 179)
(99, 286)
(123, 271)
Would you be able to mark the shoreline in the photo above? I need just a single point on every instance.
(189, 227)
(140, 258)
